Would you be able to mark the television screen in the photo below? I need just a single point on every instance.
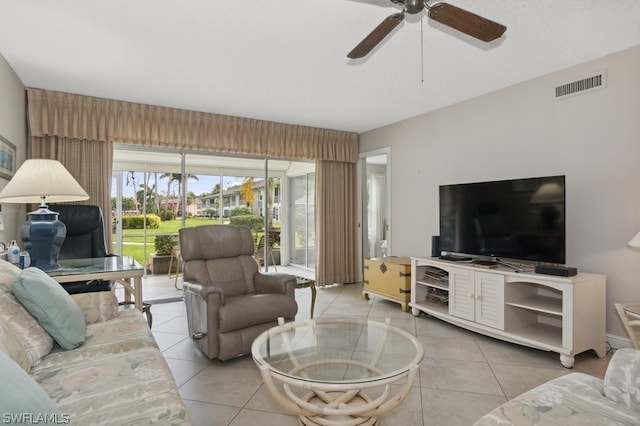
(520, 219)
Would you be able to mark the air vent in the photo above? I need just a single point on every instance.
(582, 86)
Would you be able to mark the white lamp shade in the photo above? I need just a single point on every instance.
(635, 241)
(39, 179)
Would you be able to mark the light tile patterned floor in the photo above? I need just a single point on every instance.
(462, 376)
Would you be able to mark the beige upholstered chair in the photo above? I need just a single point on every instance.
(229, 302)
(630, 316)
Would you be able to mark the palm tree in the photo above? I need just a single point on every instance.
(150, 200)
(175, 178)
(156, 197)
(169, 177)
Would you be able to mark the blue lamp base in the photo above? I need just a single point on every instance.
(43, 235)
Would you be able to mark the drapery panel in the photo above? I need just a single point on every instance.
(89, 162)
(61, 124)
(85, 118)
(336, 223)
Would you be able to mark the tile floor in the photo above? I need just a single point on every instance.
(462, 376)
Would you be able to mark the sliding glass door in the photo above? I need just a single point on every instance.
(303, 241)
(185, 189)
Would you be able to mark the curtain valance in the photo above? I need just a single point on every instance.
(80, 117)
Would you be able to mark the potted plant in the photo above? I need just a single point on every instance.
(161, 258)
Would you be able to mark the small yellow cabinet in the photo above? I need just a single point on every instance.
(389, 278)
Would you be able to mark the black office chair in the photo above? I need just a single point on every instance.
(85, 239)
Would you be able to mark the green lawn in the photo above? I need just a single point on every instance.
(133, 240)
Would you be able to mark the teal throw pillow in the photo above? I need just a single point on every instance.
(22, 400)
(52, 306)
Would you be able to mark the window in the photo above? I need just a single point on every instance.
(191, 189)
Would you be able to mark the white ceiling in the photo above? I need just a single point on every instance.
(285, 60)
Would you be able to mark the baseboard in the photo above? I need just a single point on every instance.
(617, 342)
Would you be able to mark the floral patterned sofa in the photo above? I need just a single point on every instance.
(115, 376)
(579, 399)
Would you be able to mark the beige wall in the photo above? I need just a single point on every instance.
(594, 139)
(522, 131)
(13, 128)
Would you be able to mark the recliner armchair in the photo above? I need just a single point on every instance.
(229, 302)
(85, 239)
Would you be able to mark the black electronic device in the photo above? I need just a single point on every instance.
(488, 264)
(455, 257)
(520, 219)
(561, 271)
(435, 246)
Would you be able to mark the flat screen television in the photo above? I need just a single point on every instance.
(522, 219)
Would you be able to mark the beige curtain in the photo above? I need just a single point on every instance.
(85, 118)
(89, 162)
(336, 223)
(79, 131)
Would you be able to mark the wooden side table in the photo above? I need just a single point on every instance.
(302, 282)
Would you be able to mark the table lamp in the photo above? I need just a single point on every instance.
(635, 241)
(38, 181)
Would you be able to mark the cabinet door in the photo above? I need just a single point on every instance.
(489, 299)
(461, 293)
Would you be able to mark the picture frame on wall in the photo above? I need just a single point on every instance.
(7, 158)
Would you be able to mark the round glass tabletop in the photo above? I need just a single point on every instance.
(337, 351)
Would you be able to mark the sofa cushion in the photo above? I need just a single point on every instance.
(34, 342)
(572, 399)
(8, 274)
(126, 332)
(622, 379)
(97, 306)
(54, 308)
(248, 310)
(12, 347)
(23, 400)
(130, 388)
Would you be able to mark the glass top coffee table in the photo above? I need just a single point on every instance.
(337, 371)
(124, 270)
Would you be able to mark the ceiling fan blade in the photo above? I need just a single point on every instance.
(466, 22)
(376, 36)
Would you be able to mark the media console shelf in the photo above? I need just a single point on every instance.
(559, 314)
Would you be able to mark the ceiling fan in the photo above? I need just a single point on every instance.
(444, 13)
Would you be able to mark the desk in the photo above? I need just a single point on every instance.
(123, 270)
(325, 366)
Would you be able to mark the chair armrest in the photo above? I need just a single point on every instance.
(266, 282)
(211, 293)
(97, 306)
(622, 379)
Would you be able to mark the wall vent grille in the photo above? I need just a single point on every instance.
(578, 87)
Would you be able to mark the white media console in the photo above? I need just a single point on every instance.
(559, 314)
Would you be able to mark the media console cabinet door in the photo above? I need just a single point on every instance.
(389, 278)
(461, 293)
